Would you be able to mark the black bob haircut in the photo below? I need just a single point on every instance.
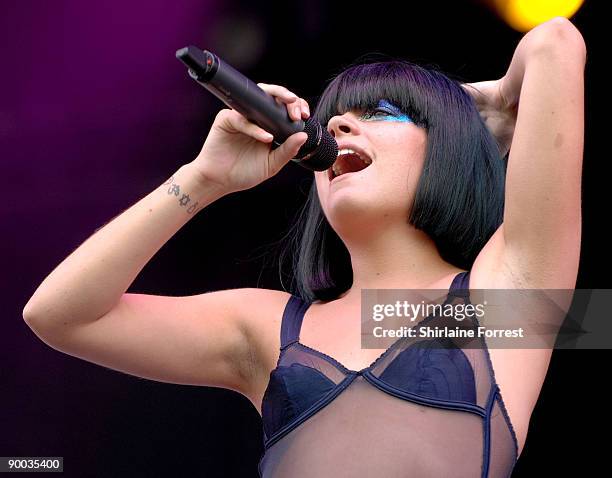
(459, 200)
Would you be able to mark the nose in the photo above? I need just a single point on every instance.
(342, 123)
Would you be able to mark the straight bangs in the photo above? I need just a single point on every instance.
(361, 87)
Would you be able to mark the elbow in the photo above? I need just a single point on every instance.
(569, 36)
(33, 320)
(39, 329)
(560, 37)
(31, 313)
(28, 313)
(50, 329)
(30, 318)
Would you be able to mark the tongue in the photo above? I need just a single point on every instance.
(353, 163)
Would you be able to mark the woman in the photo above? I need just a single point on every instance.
(425, 210)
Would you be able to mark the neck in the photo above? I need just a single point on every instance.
(397, 257)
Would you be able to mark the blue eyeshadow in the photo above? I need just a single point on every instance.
(395, 114)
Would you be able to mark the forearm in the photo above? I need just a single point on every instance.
(92, 279)
(556, 33)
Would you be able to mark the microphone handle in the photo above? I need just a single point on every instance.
(239, 93)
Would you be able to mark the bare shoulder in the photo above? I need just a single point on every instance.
(260, 315)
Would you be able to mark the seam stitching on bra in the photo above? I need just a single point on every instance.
(500, 399)
(421, 400)
(381, 384)
(325, 356)
(286, 346)
(486, 443)
(310, 411)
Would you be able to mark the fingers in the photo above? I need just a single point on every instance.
(305, 109)
(286, 151)
(278, 91)
(471, 89)
(467, 87)
(233, 122)
(296, 107)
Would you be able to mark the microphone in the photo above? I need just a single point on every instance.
(319, 151)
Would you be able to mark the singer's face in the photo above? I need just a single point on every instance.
(385, 189)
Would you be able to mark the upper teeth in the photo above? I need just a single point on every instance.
(338, 170)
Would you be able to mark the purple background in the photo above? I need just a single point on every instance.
(96, 112)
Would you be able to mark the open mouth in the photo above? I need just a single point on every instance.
(348, 161)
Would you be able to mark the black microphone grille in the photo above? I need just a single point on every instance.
(320, 150)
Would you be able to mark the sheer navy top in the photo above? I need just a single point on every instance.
(422, 409)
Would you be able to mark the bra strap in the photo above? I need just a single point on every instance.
(296, 308)
(460, 286)
(292, 320)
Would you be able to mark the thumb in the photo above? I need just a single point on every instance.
(286, 151)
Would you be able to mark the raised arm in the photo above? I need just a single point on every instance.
(539, 240)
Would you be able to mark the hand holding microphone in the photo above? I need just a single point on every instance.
(254, 112)
(236, 154)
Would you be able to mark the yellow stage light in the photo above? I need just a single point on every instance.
(523, 15)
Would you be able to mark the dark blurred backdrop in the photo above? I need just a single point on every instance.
(96, 112)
